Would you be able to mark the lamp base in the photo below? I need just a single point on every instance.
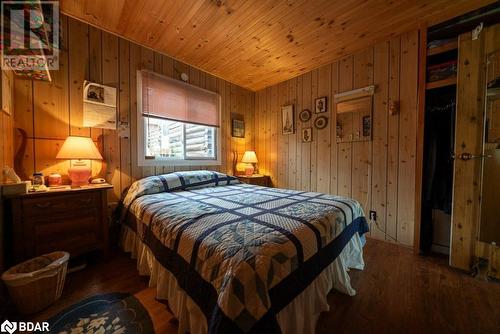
(79, 174)
(249, 169)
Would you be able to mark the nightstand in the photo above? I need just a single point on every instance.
(73, 220)
(256, 179)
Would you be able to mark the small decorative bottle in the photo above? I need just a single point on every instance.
(38, 180)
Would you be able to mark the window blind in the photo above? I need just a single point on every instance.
(178, 101)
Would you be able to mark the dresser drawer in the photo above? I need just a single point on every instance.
(38, 207)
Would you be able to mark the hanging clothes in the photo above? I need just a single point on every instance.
(438, 163)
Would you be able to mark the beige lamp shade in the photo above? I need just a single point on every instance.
(249, 157)
(79, 148)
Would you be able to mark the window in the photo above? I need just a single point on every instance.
(178, 124)
(178, 141)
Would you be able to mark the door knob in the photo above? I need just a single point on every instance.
(468, 156)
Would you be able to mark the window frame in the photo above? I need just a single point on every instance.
(141, 138)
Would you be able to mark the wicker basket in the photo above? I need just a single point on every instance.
(37, 283)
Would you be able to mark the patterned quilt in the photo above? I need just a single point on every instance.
(241, 252)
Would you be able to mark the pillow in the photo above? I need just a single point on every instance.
(177, 181)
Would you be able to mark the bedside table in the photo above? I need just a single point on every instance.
(73, 220)
(256, 179)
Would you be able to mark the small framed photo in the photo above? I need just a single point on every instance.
(238, 128)
(320, 105)
(288, 120)
(307, 135)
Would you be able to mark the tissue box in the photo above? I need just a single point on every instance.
(13, 188)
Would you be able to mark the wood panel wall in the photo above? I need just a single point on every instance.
(49, 112)
(380, 173)
(6, 123)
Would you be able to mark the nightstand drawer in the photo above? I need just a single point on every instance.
(75, 234)
(39, 207)
(260, 180)
(74, 220)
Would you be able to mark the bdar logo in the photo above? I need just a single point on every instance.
(8, 327)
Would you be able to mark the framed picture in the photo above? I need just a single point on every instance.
(305, 115)
(321, 122)
(320, 105)
(238, 128)
(288, 120)
(307, 135)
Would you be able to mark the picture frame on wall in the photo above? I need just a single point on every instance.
(307, 135)
(305, 115)
(288, 120)
(320, 105)
(321, 122)
(238, 128)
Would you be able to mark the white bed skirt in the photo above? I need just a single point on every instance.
(299, 316)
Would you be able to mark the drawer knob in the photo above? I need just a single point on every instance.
(85, 200)
(43, 205)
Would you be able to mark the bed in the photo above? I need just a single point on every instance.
(230, 257)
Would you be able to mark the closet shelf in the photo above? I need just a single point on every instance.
(443, 48)
(441, 83)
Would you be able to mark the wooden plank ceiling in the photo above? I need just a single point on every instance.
(258, 43)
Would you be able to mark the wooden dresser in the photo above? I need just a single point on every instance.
(73, 220)
(257, 179)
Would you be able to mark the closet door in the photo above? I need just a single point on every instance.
(469, 137)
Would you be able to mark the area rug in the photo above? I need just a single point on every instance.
(109, 313)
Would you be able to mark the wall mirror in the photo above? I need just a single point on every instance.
(354, 114)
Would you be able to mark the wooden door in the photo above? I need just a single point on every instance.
(469, 129)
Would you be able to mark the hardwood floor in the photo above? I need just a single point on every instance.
(397, 292)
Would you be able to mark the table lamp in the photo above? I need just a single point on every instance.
(79, 148)
(249, 158)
